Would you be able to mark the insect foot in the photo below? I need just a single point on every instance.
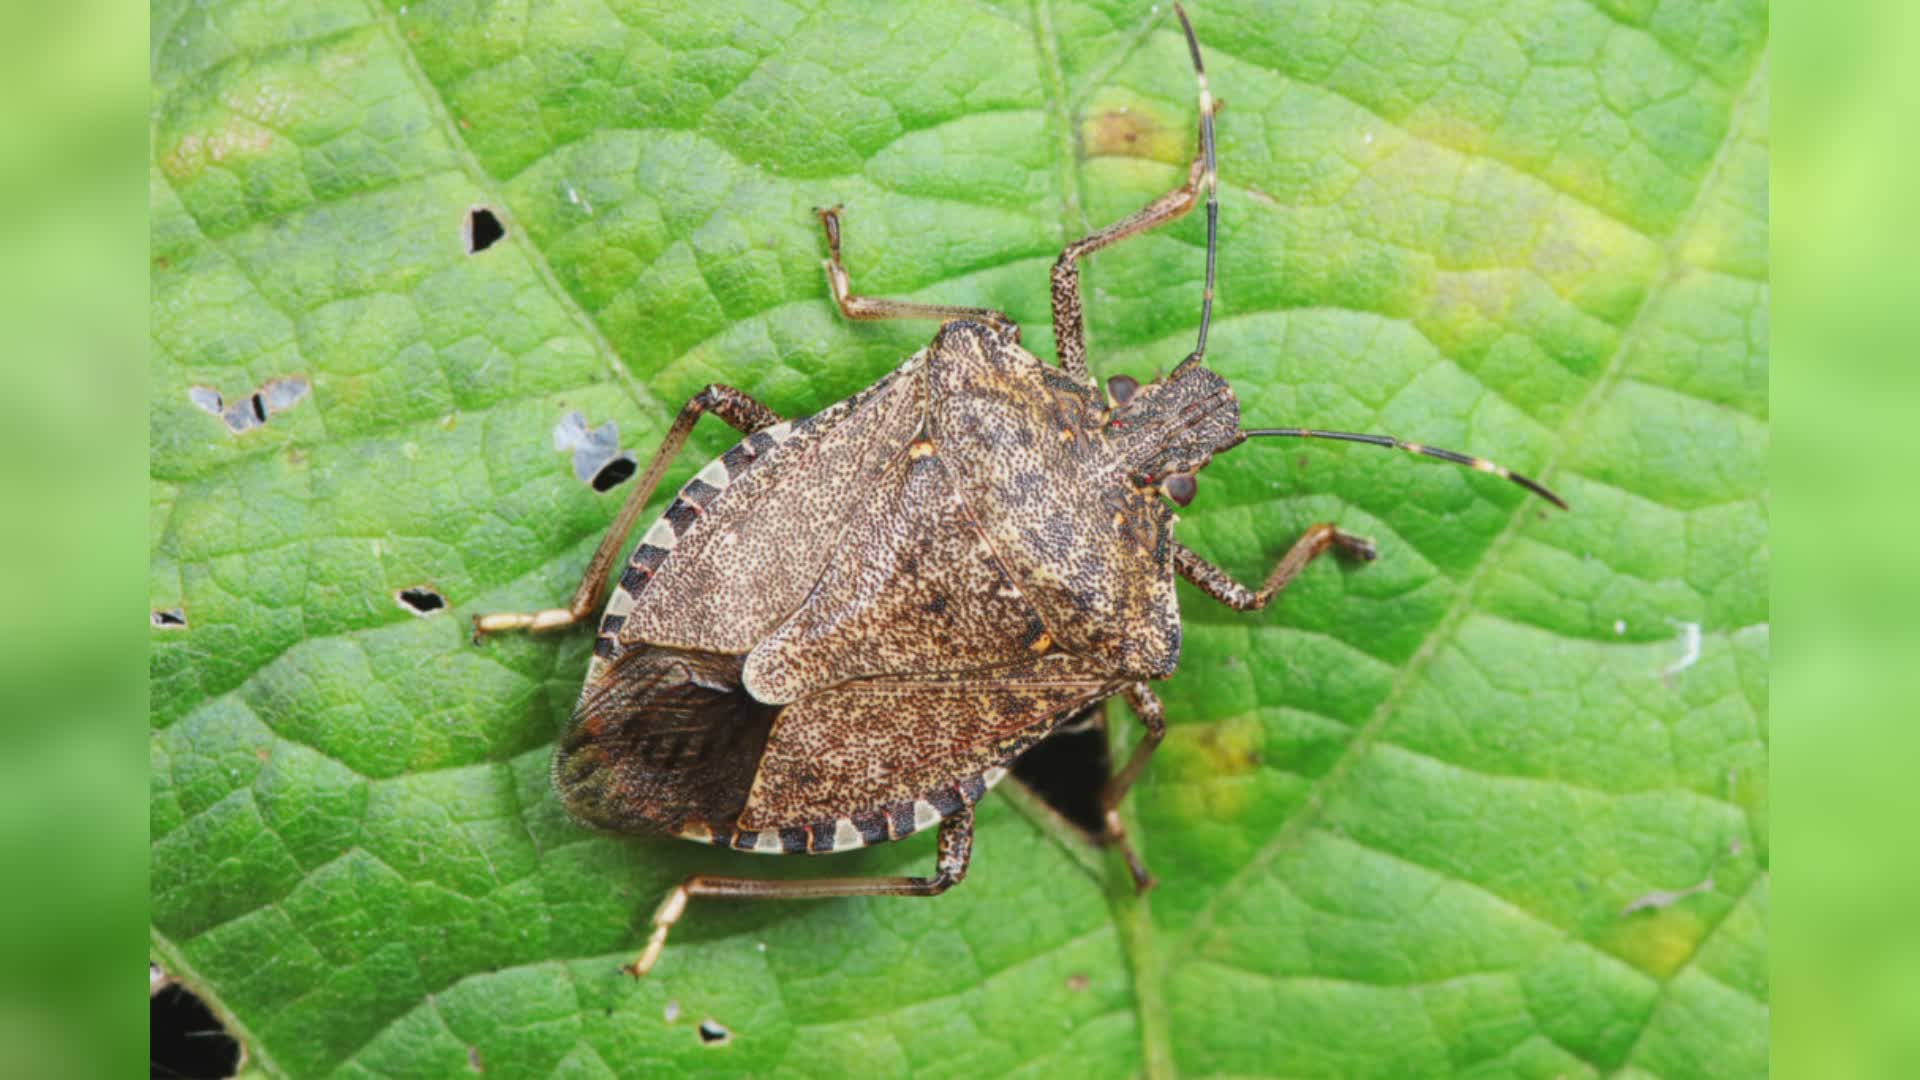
(496, 622)
(664, 916)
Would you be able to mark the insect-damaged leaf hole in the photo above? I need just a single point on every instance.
(1068, 768)
(252, 410)
(713, 1033)
(598, 460)
(481, 230)
(185, 1038)
(614, 473)
(421, 600)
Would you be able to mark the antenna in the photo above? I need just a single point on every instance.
(1477, 463)
(1213, 184)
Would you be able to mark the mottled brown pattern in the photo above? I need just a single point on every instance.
(917, 589)
(736, 571)
(928, 576)
(1040, 474)
(881, 743)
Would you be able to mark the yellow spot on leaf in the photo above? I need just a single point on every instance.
(1125, 128)
(1212, 767)
(1656, 942)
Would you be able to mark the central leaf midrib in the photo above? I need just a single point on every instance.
(1132, 915)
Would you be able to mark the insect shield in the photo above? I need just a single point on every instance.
(843, 630)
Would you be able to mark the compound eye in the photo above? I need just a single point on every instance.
(1180, 487)
(1121, 388)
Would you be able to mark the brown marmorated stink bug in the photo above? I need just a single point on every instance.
(845, 628)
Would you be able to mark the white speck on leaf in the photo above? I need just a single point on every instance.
(672, 1011)
(592, 449)
(281, 393)
(568, 433)
(1619, 627)
(1689, 649)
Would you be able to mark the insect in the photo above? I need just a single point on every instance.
(843, 629)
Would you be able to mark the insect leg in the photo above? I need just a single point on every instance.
(950, 868)
(1154, 718)
(1069, 325)
(1216, 583)
(870, 308)
(1069, 329)
(733, 406)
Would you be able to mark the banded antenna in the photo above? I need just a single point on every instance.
(1213, 184)
(1479, 464)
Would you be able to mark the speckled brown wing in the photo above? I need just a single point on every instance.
(1090, 551)
(871, 744)
(915, 589)
(724, 569)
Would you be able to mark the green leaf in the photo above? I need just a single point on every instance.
(1495, 804)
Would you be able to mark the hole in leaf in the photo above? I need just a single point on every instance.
(420, 600)
(251, 411)
(614, 473)
(483, 230)
(185, 1038)
(713, 1034)
(598, 461)
(278, 395)
(1068, 769)
(170, 619)
(240, 416)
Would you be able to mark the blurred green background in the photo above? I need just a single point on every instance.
(73, 552)
(1847, 391)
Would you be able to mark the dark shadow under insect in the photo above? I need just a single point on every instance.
(844, 629)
